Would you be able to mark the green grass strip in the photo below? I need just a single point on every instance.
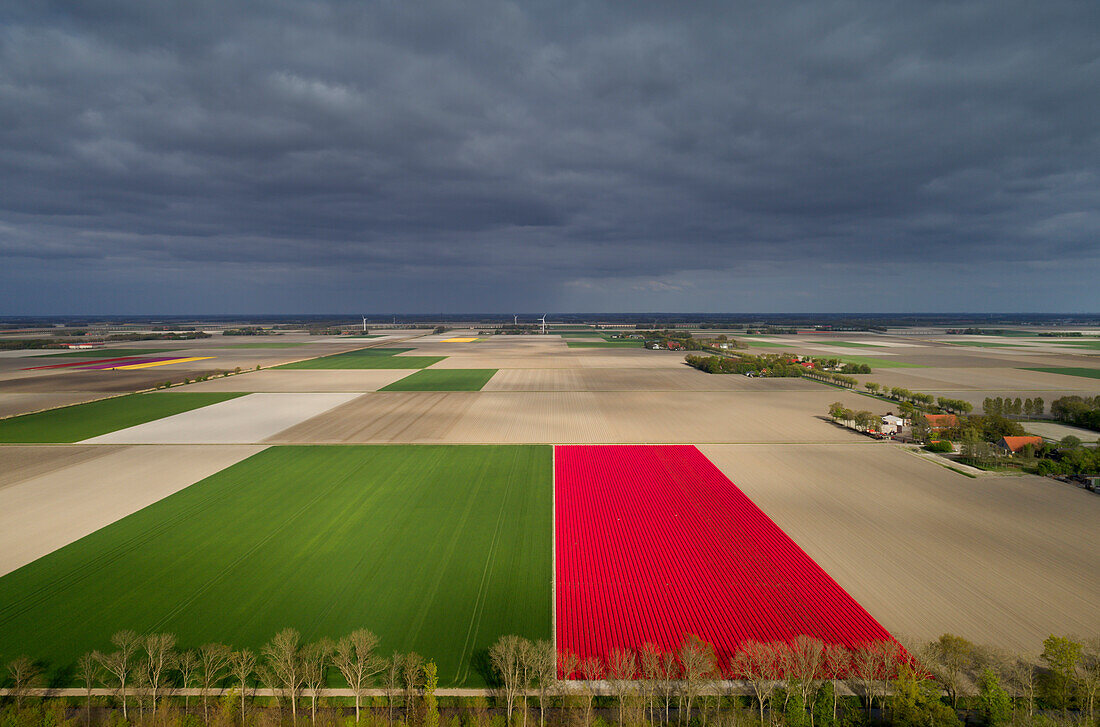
(81, 421)
(443, 380)
(108, 352)
(367, 358)
(1093, 345)
(879, 363)
(986, 344)
(1068, 371)
(767, 344)
(437, 549)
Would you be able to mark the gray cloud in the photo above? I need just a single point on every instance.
(567, 155)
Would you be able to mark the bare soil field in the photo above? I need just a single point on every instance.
(97, 381)
(303, 381)
(1001, 560)
(243, 420)
(593, 379)
(579, 417)
(82, 493)
(19, 462)
(24, 403)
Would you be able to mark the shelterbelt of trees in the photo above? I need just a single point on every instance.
(145, 680)
(772, 365)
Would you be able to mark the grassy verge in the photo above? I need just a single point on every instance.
(109, 352)
(81, 421)
(443, 380)
(604, 344)
(437, 549)
(848, 344)
(1068, 371)
(367, 358)
(879, 363)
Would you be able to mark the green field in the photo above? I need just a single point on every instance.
(109, 352)
(879, 363)
(443, 380)
(1069, 371)
(1093, 345)
(436, 549)
(367, 358)
(81, 421)
(767, 344)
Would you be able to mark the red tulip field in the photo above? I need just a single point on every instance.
(655, 543)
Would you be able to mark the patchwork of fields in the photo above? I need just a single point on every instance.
(406, 487)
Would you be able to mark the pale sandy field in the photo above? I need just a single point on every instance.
(564, 417)
(242, 420)
(87, 488)
(303, 381)
(1001, 560)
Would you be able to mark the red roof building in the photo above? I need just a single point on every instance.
(1013, 445)
(942, 421)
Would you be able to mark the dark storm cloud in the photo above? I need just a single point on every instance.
(574, 155)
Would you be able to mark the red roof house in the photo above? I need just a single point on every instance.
(1012, 445)
(942, 421)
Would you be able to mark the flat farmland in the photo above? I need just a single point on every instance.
(303, 381)
(443, 380)
(579, 417)
(25, 403)
(655, 543)
(239, 419)
(591, 379)
(367, 358)
(1001, 560)
(977, 379)
(52, 496)
(437, 549)
(81, 421)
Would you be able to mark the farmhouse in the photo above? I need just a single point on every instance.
(1013, 445)
(941, 421)
(892, 424)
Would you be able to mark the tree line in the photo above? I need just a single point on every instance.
(803, 683)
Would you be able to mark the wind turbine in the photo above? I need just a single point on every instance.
(543, 322)
(364, 324)
(515, 320)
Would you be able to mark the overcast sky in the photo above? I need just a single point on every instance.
(267, 157)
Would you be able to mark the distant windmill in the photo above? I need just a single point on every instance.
(515, 320)
(364, 324)
(543, 322)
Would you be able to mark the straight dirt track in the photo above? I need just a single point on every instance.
(654, 543)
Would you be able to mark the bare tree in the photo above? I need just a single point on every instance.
(88, 671)
(544, 669)
(699, 664)
(864, 671)
(807, 664)
(756, 663)
(506, 657)
(120, 663)
(243, 665)
(1088, 675)
(25, 675)
(525, 648)
(888, 656)
(1022, 677)
(213, 665)
(160, 659)
(141, 686)
(316, 658)
(393, 681)
(592, 672)
(284, 658)
(622, 667)
(670, 675)
(649, 663)
(355, 658)
(836, 663)
(187, 664)
(412, 676)
(568, 663)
